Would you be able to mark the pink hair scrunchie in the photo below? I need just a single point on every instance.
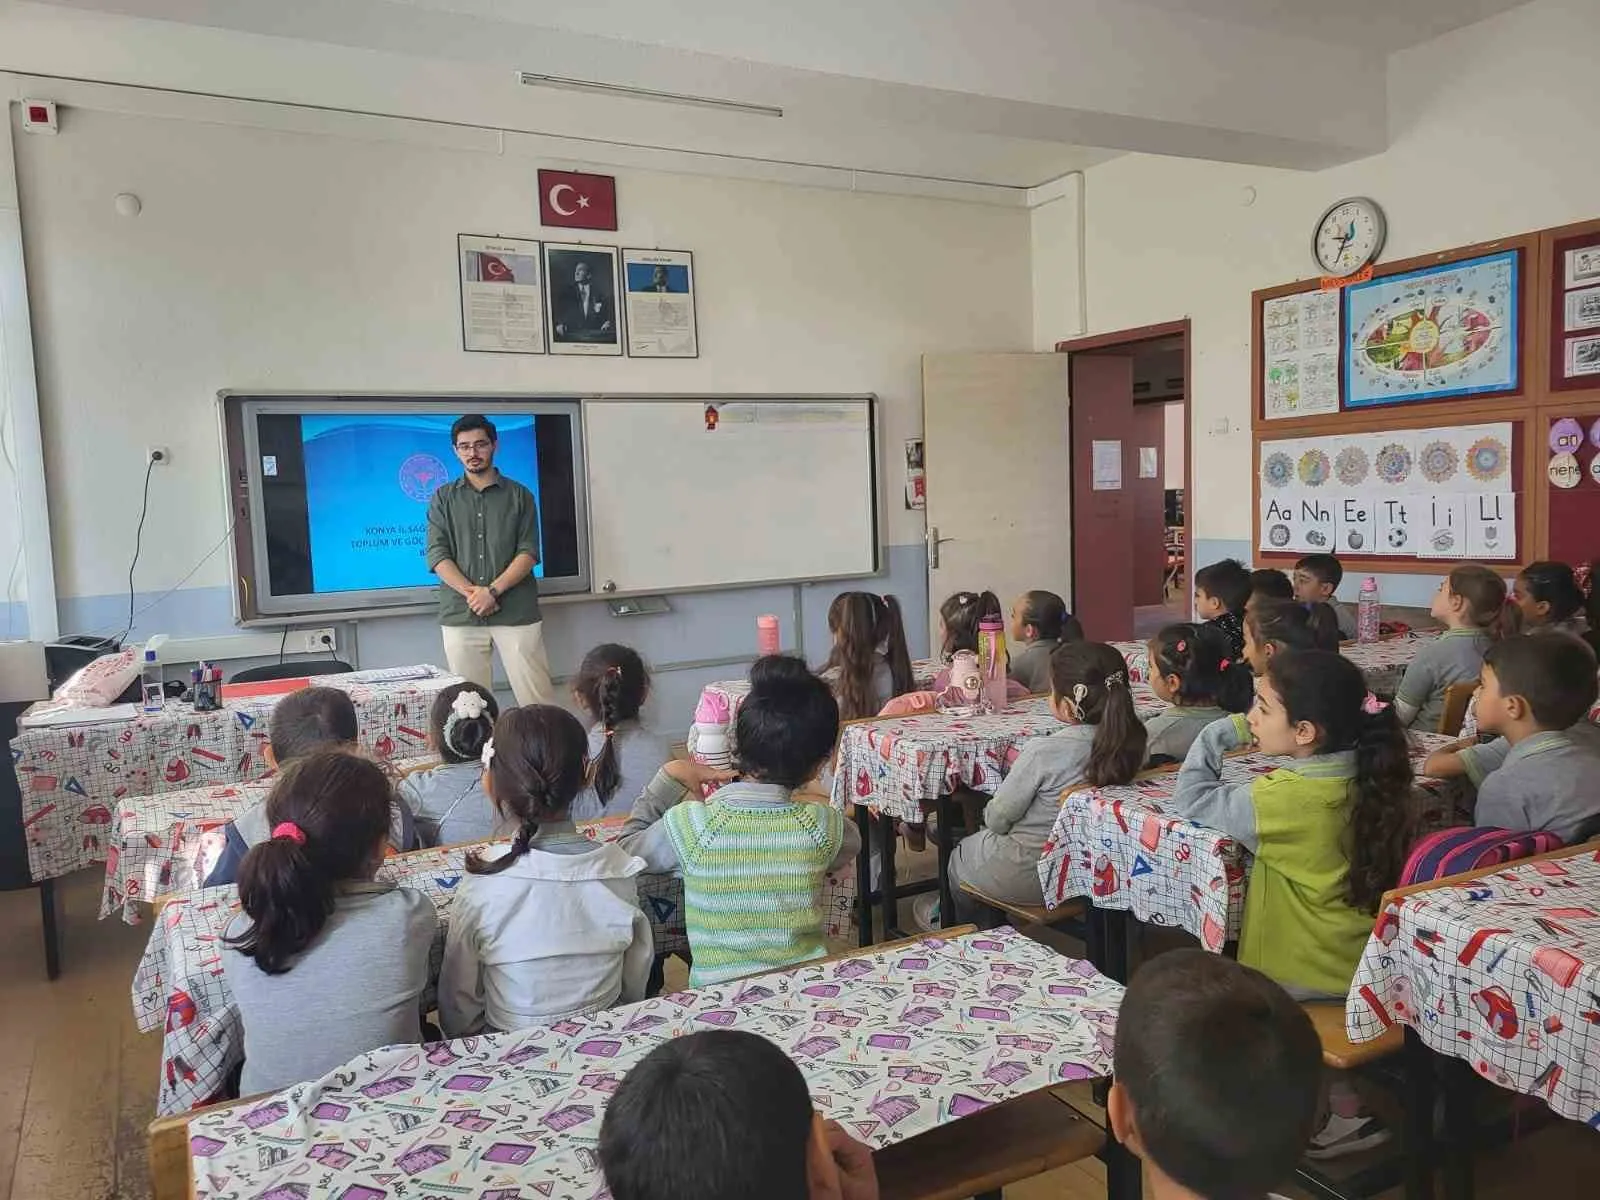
(288, 829)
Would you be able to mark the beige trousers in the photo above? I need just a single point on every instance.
(467, 651)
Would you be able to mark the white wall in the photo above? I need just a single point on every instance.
(1172, 455)
(1488, 129)
(274, 260)
(1057, 285)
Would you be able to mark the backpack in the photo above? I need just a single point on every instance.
(1469, 848)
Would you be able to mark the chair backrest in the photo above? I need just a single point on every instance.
(1456, 698)
(291, 670)
(1469, 848)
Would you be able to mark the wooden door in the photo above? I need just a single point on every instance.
(996, 439)
(1102, 500)
(1149, 503)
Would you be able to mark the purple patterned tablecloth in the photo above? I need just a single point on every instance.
(1121, 848)
(892, 1044)
(1502, 972)
(179, 986)
(75, 777)
(895, 765)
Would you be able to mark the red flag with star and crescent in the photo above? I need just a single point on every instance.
(573, 200)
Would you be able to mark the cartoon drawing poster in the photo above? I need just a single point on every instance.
(1433, 333)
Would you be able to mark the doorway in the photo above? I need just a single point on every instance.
(1130, 448)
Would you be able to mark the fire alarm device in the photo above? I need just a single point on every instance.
(39, 116)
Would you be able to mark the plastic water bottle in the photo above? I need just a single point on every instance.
(993, 660)
(769, 639)
(1368, 612)
(151, 686)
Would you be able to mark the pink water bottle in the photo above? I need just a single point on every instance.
(1369, 615)
(768, 639)
(993, 660)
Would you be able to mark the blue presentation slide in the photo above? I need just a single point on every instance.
(368, 482)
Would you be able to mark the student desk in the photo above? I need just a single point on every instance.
(74, 776)
(1120, 848)
(894, 1042)
(179, 986)
(1498, 970)
(1383, 663)
(154, 846)
(892, 769)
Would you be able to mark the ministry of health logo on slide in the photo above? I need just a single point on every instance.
(421, 476)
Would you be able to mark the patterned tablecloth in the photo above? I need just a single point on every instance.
(1503, 972)
(1119, 847)
(892, 1044)
(179, 986)
(74, 777)
(155, 844)
(1383, 663)
(895, 765)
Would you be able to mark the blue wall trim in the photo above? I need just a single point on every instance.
(13, 620)
(1408, 591)
(701, 625)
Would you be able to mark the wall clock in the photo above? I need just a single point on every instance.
(1348, 236)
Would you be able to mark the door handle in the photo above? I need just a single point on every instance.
(934, 542)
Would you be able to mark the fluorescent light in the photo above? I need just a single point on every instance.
(636, 93)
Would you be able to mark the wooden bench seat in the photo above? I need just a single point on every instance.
(1338, 1051)
(1023, 915)
(983, 1153)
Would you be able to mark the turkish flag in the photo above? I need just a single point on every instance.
(573, 200)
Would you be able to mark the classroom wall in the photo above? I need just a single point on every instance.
(323, 258)
(1488, 129)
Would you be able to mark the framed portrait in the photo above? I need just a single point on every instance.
(582, 286)
(1450, 330)
(502, 298)
(660, 303)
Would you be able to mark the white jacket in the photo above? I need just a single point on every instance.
(557, 933)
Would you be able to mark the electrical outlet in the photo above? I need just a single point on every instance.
(314, 641)
(159, 455)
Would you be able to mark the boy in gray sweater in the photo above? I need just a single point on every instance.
(1534, 690)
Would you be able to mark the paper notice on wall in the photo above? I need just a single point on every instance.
(1107, 466)
(1398, 519)
(1492, 526)
(1444, 527)
(1300, 353)
(1355, 525)
(1149, 462)
(501, 295)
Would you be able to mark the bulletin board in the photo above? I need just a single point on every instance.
(1451, 357)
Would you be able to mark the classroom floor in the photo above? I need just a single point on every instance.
(78, 1081)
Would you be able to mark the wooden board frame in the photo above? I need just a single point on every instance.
(1529, 408)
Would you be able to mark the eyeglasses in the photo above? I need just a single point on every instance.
(472, 447)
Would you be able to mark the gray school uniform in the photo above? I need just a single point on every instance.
(882, 685)
(357, 987)
(640, 754)
(250, 828)
(1574, 626)
(1480, 759)
(450, 805)
(1002, 858)
(1171, 732)
(1030, 665)
(1546, 782)
(1456, 656)
(1346, 614)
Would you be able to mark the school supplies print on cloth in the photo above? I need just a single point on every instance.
(74, 778)
(1503, 972)
(891, 1044)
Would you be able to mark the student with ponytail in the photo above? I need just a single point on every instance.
(448, 801)
(1471, 602)
(1549, 600)
(612, 685)
(1273, 626)
(1102, 743)
(1329, 832)
(1191, 670)
(324, 963)
(549, 927)
(869, 664)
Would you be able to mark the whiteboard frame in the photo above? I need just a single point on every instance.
(719, 398)
(240, 503)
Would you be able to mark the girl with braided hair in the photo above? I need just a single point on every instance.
(549, 927)
(611, 687)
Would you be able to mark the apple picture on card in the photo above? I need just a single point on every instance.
(1348, 236)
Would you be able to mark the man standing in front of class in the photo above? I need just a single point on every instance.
(483, 543)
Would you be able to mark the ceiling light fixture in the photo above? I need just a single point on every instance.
(532, 79)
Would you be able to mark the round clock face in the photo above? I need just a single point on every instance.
(1349, 236)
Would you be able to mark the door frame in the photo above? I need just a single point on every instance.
(1132, 337)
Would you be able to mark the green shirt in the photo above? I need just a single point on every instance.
(481, 532)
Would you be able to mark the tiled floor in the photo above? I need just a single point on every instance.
(77, 1080)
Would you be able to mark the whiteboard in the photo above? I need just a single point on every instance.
(756, 490)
